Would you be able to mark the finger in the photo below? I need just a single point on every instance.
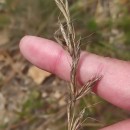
(113, 87)
(46, 55)
(123, 125)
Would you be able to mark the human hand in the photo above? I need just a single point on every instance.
(113, 87)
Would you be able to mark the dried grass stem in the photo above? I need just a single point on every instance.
(73, 46)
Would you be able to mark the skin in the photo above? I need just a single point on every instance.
(113, 87)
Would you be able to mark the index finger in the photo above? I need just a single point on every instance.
(48, 55)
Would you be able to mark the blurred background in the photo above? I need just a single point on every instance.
(32, 99)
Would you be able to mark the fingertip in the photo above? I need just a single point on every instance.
(23, 44)
(25, 41)
(32, 45)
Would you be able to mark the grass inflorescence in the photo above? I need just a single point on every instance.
(73, 46)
